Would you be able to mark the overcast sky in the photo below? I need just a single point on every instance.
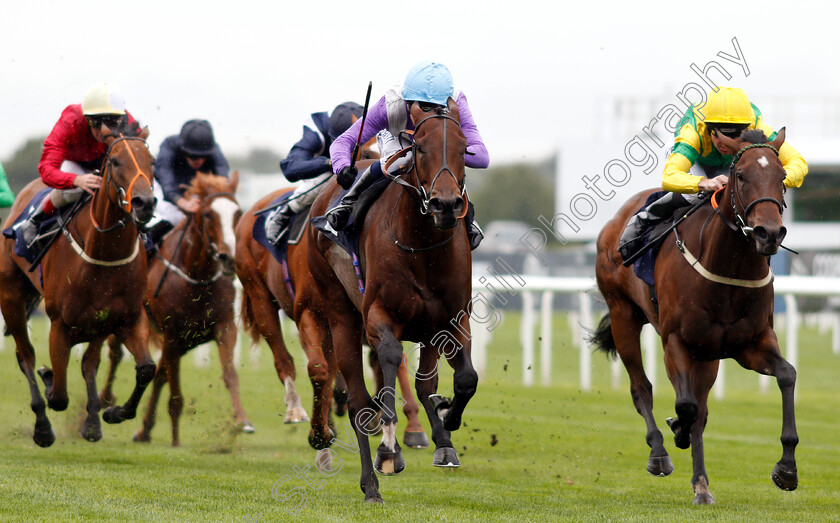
(534, 72)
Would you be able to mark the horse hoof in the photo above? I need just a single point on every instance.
(680, 441)
(141, 437)
(46, 374)
(375, 499)
(785, 479)
(296, 415)
(113, 415)
(416, 440)
(446, 457)
(247, 428)
(44, 437)
(660, 466)
(441, 404)
(318, 441)
(92, 431)
(389, 463)
(703, 499)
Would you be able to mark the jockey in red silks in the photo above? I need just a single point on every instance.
(429, 84)
(74, 150)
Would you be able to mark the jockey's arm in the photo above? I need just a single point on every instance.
(477, 156)
(304, 160)
(341, 149)
(795, 165)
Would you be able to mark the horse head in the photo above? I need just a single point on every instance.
(127, 170)
(756, 188)
(438, 150)
(217, 216)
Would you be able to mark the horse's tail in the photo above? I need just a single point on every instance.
(603, 339)
(246, 314)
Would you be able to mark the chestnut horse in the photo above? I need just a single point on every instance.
(93, 280)
(416, 261)
(718, 307)
(264, 294)
(190, 297)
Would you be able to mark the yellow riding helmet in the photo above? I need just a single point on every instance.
(728, 105)
(103, 98)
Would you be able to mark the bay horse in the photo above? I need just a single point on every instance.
(416, 262)
(718, 307)
(264, 293)
(92, 279)
(189, 298)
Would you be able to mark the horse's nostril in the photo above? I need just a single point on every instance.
(760, 233)
(435, 205)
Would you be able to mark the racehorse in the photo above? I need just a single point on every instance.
(264, 293)
(718, 307)
(416, 261)
(189, 296)
(92, 279)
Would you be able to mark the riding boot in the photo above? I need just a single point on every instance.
(157, 231)
(632, 239)
(474, 232)
(29, 227)
(340, 214)
(277, 222)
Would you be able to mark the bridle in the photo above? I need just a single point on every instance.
(417, 188)
(735, 196)
(124, 195)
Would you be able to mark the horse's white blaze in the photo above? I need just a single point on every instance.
(226, 209)
(389, 436)
(762, 161)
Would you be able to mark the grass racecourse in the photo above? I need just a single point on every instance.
(528, 453)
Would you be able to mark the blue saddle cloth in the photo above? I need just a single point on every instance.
(645, 264)
(21, 249)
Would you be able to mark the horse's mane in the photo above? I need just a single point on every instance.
(754, 136)
(205, 183)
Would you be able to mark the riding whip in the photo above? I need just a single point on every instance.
(361, 127)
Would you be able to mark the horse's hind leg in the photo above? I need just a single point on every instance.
(176, 397)
(766, 359)
(12, 300)
(144, 434)
(226, 340)
(692, 381)
(626, 328)
(92, 428)
(115, 356)
(136, 340)
(414, 437)
(321, 373)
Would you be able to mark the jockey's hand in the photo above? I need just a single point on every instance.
(88, 182)
(398, 164)
(190, 206)
(713, 184)
(346, 176)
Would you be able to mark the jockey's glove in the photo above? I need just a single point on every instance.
(346, 176)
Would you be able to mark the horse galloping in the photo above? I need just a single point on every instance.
(92, 279)
(189, 298)
(721, 305)
(416, 261)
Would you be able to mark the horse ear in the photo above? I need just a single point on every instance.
(452, 105)
(780, 139)
(234, 181)
(144, 133)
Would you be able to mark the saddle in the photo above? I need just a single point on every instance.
(348, 238)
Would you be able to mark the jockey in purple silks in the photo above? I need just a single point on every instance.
(429, 84)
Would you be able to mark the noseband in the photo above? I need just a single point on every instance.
(735, 196)
(418, 189)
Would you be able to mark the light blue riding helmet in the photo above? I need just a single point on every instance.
(429, 82)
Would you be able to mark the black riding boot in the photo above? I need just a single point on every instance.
(29, 227)
(157, 231)
(474, 232)
(277, 223)
(632, 238)
(340, 214)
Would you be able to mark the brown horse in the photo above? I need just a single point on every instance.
(416, 261)
(190, 295)
(718, 307)
(93, 280)
(264, 294)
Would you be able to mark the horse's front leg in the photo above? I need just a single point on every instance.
(135, 337)
(425, 383)
(55, 379)
(383, 335)
(92, 428)
(765, 358)
(226, 340)
(692, 381)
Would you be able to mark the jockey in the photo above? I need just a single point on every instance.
(181, 156)
(699, 163)
(429, 84)
(74, 149)
(309, 159)
(7, 196)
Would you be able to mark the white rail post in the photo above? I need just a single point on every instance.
(585, 349)
(526, 335)
(835, 333)
(545, 336)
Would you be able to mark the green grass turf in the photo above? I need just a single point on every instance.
(538, 453)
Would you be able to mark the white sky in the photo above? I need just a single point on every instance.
(534, 71)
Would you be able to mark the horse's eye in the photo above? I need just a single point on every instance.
(739, 175)
(115, 162)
